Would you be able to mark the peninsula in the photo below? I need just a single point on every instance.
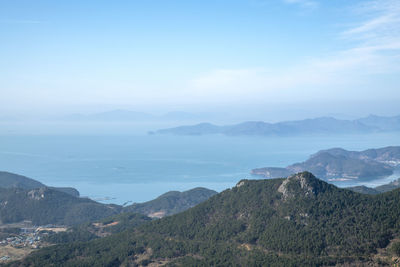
(338, 164)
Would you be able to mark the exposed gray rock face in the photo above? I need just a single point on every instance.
(37, 194)
(241, 183)
(298, 184)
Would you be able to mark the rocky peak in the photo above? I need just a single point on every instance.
(302, 184)
(240, 183)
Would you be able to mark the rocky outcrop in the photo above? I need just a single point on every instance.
(37, 194)
(297, 185)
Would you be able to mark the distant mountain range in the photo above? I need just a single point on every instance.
(339, 164)
(323, 125)
(294, 221)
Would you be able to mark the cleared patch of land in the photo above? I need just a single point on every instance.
(10, 253)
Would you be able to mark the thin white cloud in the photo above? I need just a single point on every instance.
(382, 24)
(375, 50)
(379, 35)
(373, 24)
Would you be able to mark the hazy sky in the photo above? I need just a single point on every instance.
(200, 55)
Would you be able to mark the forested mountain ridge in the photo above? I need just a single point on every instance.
(12, 180)
(48, 206)
(22, 198)
(171, 202)
(298, 221)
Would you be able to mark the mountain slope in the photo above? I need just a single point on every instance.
(171, 202)
(48, 206)
(92, 230)
(298, 221)
(388, 187)
(22, 198)
(12, 180)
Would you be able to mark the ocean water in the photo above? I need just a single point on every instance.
(136, 168)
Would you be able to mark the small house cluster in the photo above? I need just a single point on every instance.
(23, 240)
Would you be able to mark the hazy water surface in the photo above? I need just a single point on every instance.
(140, 167)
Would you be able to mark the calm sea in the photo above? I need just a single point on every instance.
(119, 169)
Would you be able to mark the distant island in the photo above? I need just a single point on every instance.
(338, 164)
(322, 125)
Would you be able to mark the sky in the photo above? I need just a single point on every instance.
(251, 57)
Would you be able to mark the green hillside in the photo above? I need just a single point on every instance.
(298, 221)
(48, 206)
(22, 198)
(105, 227)
(171, 202)
(12, 180)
